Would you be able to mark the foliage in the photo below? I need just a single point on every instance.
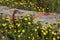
(35, 5)
(27, 29)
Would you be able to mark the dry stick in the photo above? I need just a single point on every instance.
(13, 17)
(13, 20)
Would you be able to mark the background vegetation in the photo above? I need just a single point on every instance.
(35, 5)
(26, 28)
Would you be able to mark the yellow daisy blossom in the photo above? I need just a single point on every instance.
(7, 0)
(39, 10)
(23, 30)
(18, 24)
(58, 22)
(28, 15)
(18, 31)
(7, 17)
(18, 36)
(59, 30)
(50, 30)
(14, 31)
(43, 10)
(42, 30)
(21, 3)
(25, 19)
(58, 37)
(30, 3)
(29, 23)
(29, 37)
(4, 24)
(43, 27)
(16, 2)
(54, 38)
(33, 38)
(6, 30)
(46, 38)
(10, 27)
(44, 33)
(2, 31)
(53, 32)
(35, 30)
(40, 22)
(34, 21)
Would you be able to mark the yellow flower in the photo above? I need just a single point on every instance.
(21, 33)
(50, 30)
(14, 31)
(43, 27)
(35, 30)
(25, 19)
(7, 17)
(58, 37)
(43, 10)
(18, 24)
(28, 15)
(16, 2)
(59, 30)
(58, 22)
(24, 5)
(2, 31)
(4, 24)
(29, 18)
(21, 3)
(16, 19)
(7, 0)
(31, 34)
(18, 31)
(29, 23)
(10, 27)
(46, 38)
(34, 21)
(29, 6)
(29, 37)
(3, 37)
(33, 38)
(34, 8)
(40, 22)
(44, 33)
(18, 36)
(6, 30)
(39, 9)
(54, 38)
(53, 32)
(23, 30)
(50, 26)
(31, 3)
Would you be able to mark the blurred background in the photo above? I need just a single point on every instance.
(34, 5)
